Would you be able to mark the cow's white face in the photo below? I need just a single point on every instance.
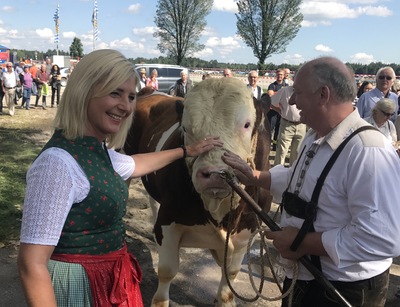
(218, 107)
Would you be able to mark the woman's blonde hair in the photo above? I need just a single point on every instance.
(96, 75)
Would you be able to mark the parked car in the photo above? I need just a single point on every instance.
(64, 75)
(167, 75)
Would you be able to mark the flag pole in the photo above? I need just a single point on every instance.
(57, 25)
(95, 24)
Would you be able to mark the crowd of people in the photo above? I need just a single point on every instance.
(377, 102)
(181, 87)
(24, 81)
(341, 152)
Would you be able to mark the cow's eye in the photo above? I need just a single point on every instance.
(247, 125)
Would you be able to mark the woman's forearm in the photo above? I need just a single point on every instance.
(37, 286)
(34, 275)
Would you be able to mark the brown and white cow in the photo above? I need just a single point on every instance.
(194, 201)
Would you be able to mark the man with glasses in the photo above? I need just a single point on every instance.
(255, 89)
(384, 81)
(10, 82)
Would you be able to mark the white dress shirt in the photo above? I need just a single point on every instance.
(358, 211)
(281, 100)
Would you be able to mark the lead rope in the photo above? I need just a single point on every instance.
(263, 247)
(295, 268)
(228, 232)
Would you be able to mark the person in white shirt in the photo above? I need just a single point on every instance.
(252, 85)
(10, 82)
(286, 76)
(355, 217)
(380, 118)
(142, 77)
(291, 130)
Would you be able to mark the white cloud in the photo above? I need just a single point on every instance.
(326, 10)
(225, 6)
(380, 11)
(323, 48)
(87, 41)
(322, 12)
(362, 58)
(223, 45)
(125, 43)
(294, 59)
(205, 53)
(134, 8)
(209, 31)
(44, 33)
(69, 34)
(5, 42)
(347, 1)
(145, 31)
(134, 49)
(101, 45)
(7, 8)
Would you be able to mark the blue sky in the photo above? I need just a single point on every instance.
(360, 31)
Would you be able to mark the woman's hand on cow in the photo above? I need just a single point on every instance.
(241, 168)
(197, 148)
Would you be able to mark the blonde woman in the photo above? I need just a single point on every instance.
(152, 81)
(72, 250)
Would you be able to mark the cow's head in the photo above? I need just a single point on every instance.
(218, 107)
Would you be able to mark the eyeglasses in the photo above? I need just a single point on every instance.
(383, 77)
(387, 114)
(9, 66)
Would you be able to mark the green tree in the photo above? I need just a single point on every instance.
(267, 26)
(76, 48)
(180, 23)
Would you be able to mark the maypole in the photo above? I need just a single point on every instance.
(95, 25)
(57, 22)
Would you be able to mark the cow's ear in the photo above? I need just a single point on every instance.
(179, 107)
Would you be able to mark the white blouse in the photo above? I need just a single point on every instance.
(55, 181)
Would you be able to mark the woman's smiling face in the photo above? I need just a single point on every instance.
(106, 114)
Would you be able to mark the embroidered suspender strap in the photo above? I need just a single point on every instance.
(311, 208)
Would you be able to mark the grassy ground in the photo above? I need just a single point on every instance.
(21, 137)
